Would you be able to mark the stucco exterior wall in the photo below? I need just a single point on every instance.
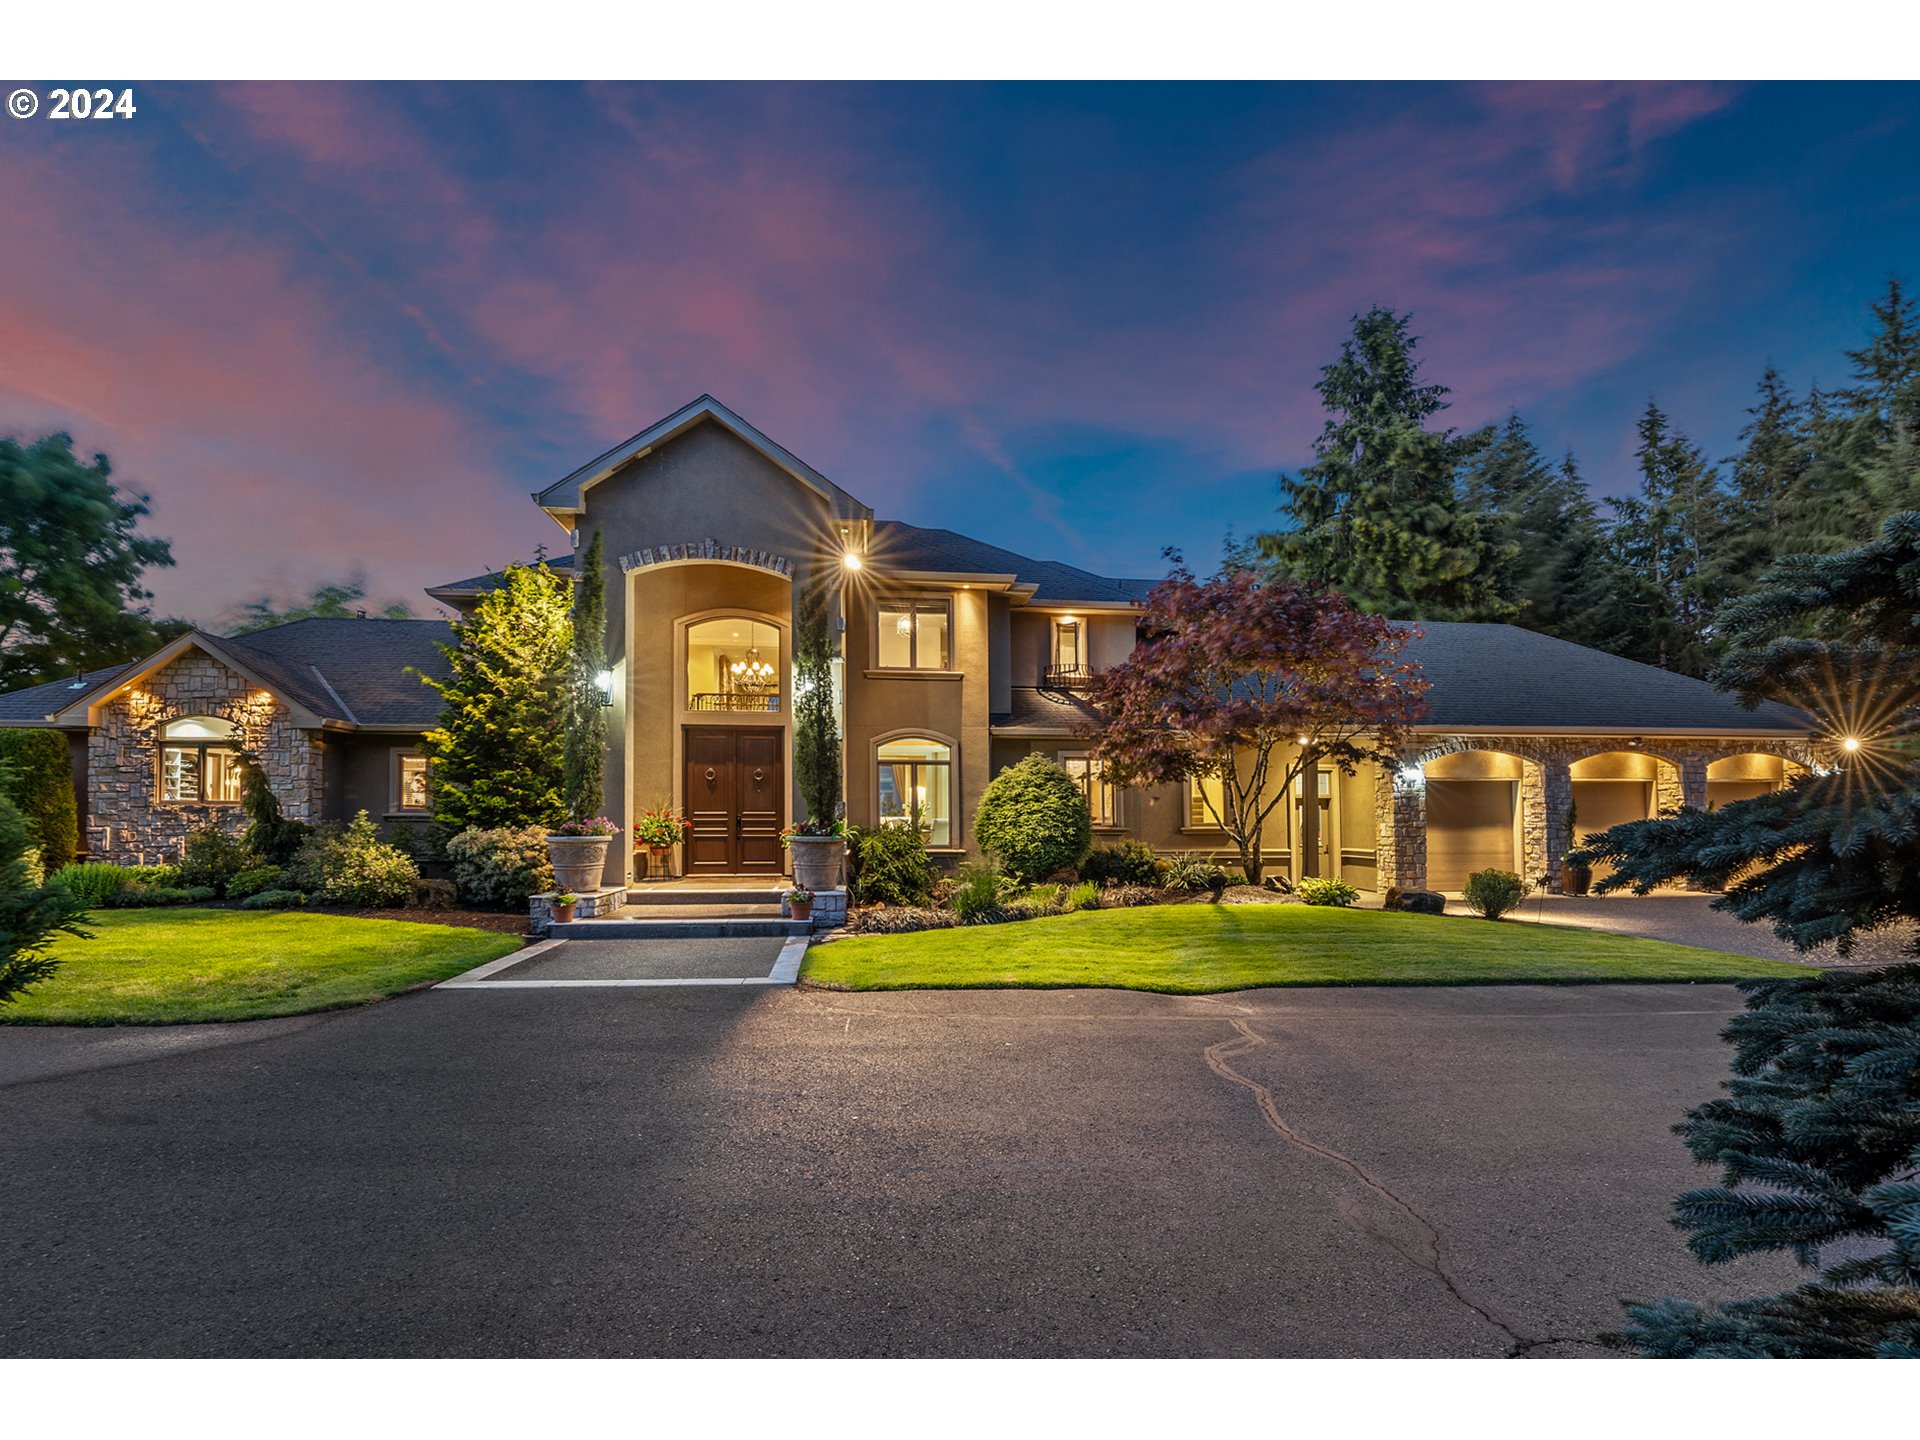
(127, 822)
(359, 776)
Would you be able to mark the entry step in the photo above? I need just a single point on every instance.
(672, 929)
(692, 895)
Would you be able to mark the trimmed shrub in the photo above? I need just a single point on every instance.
(1326, 890)
(1084, 896)
(889, 866)
(270, 836)
(501, 866)
(1034, 820)
(211, 858)
(166, 876)
(36, 775)
(139, 897)
(1492, 893)
(254, 881)
(898, 920)
(92, 884)
(981, 893)
(353, 866)
(1132, 862)
(274, 900)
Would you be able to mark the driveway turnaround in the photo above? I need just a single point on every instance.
(760, 1170)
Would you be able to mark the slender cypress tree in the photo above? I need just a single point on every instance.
(585, 762)
(816, 730)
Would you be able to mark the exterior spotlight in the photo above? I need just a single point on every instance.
(849, 560)
(1411, 775)
(603, 682)
(1850, 744)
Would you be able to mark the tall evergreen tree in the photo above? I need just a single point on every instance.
(1674, 533)
(1886, 371)
(816, 727)
(585, 763)
(498, 750)
(1554, 559)
(1379, 515)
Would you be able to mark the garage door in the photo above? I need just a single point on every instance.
(1602, 804)
(1469, 828)
(1725, 792)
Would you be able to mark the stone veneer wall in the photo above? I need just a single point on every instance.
(1546, 791)
(126, 821)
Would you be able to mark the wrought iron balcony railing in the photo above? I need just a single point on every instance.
(1067, 677)
(719, 701)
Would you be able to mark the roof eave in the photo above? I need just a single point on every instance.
(85, 712)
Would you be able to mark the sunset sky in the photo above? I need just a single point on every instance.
(339, 326)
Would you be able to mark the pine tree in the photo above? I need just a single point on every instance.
(1886, 372)
(498, 750)
(1674, 533)
(584, 765)
(1378, 515)
(32, 913)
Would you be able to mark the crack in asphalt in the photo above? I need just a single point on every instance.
(1431, 1256)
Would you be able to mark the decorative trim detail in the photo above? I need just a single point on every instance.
(709, 549)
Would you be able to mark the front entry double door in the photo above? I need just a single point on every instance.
(736, 789)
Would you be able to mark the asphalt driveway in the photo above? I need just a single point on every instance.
(790, 1172)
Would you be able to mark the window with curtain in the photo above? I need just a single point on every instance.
(1069, 644)
(200, 761)
(410, 782)
(1103, 800)
(916, 787)
(915, 635)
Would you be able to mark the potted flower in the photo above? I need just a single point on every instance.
(819, 849)
(800, 902)
(563, 904)
(659, 830)
(579, 851)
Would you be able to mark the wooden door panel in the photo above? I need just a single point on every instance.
(761, 792)
(709, 802)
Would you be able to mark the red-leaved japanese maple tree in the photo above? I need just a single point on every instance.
(1252, 683)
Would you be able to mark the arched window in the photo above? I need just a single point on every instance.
(200, 761)
(916, 786)
(734, 664)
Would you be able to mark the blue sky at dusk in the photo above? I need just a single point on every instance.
(329, 326)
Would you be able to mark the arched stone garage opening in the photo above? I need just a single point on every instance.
(1618, 786)
(1745, 777)
(1477, 803)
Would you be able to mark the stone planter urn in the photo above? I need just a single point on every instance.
(579, 861)
(817, 860)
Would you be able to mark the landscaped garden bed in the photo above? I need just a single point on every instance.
(1195, 949)
(177, 966)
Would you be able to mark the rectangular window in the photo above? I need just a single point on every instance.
(1069, 644)
(410, 782)
(915, 635)
(1206, 802)
(200, 774)
(915, 787)
(1103, 799)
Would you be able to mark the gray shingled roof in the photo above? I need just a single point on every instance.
(356, 666)
(1505, 677)
(899, 546)
(1501, 677)
(32, 706)
(480, 584)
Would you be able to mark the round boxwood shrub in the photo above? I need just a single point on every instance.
(1492, 893)
(211, 857)
(36, 775)
(502, 866)
(1034, 820)
(1131, 862)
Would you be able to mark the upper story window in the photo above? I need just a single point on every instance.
(1069, 643)
(734, 664)
(200, 761)
(410, 793)
(915, 635)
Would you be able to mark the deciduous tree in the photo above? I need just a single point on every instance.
(339, 600)
(1250, 682)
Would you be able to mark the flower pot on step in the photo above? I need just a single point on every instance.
(579, 861)
(802, 909)
(563, 913)
(817, 860)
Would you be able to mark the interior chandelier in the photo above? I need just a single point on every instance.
(752, 670)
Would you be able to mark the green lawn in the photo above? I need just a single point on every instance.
(168, 967)
(1192, 949)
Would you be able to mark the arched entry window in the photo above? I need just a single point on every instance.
(734, 663)
(1745, 777)
(200, 761)
(916, 786)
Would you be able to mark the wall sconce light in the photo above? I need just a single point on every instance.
(850, 560)
(603, 682)
(1850, 744)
